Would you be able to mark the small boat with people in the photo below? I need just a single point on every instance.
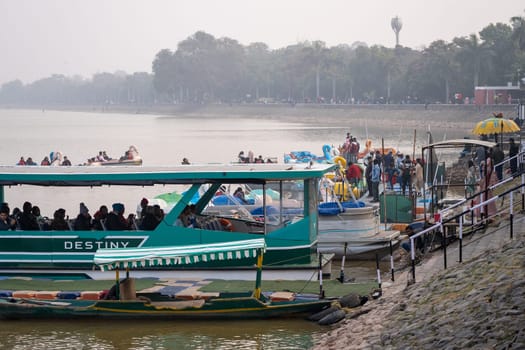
(122, 301)
(130, 157)
(290, 240)
(251, 158)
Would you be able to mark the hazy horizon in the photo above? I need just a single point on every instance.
(73, 37)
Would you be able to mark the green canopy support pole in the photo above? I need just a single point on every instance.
(2, 194)
(258, 279)
(127, 272)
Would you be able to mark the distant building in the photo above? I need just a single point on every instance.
(495, 95)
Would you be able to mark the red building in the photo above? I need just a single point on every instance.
(493, 95)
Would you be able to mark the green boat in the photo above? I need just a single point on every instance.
(290, 237)
(127, 304)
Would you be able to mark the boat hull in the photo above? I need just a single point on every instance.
(116, 162)
(220, 308)
(359, 229)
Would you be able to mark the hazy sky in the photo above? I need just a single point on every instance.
(43, 37)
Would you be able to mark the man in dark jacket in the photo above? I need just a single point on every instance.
(498, 156)
(116, 220)
(27, 220)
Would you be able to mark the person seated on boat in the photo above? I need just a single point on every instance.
(66, 162)
(59, 222)
(30, 161)
(45, 161)
(130, 154)
(100, 217)
(159, 213)
(27, 220)
(149, 221)
(105, 156)
(184, 218)
(185, 161)
(239, 193)
(6, 222)
(269, 160)
(43, 222)
(83, 222)
(116, 220)
(11, 219)
(21, 161)
(259, 159)
(125, 156)
(141, 208)
(242, 158)
(353, 173)
(100, 157)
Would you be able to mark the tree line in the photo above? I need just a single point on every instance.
(205, 69)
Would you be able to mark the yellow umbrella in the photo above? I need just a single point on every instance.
(495, 126)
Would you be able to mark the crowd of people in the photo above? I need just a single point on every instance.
(485, 168)
(45, 161)
(29, 218)
(391, 168)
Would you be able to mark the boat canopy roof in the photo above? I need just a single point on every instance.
(144, 176)
(460, 143)
(111, 259)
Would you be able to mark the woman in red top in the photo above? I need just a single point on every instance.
(353, 173)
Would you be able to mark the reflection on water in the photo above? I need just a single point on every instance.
(137, 334)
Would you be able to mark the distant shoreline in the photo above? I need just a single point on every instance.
(451, 121)
(467, 113)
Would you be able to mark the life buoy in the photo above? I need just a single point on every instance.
(341, 161)
(226, 224)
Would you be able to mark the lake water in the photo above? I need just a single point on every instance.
(165, 140)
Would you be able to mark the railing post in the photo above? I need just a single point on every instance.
(482, 210)
(443, 241)
(343, 259)
(392, 260)
(511, 215)
(522, 192)
(413, 258)
(321, 290)
(472, 217)
(378, 271)
(461, 238)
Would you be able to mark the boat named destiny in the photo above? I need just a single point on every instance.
(290, 242)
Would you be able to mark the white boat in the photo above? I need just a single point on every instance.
(130, 157)
(354, 232)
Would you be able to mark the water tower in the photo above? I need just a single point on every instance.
(396, 27)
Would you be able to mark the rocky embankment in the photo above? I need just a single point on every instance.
(479, 304)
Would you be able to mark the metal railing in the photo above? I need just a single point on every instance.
(460, 219)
